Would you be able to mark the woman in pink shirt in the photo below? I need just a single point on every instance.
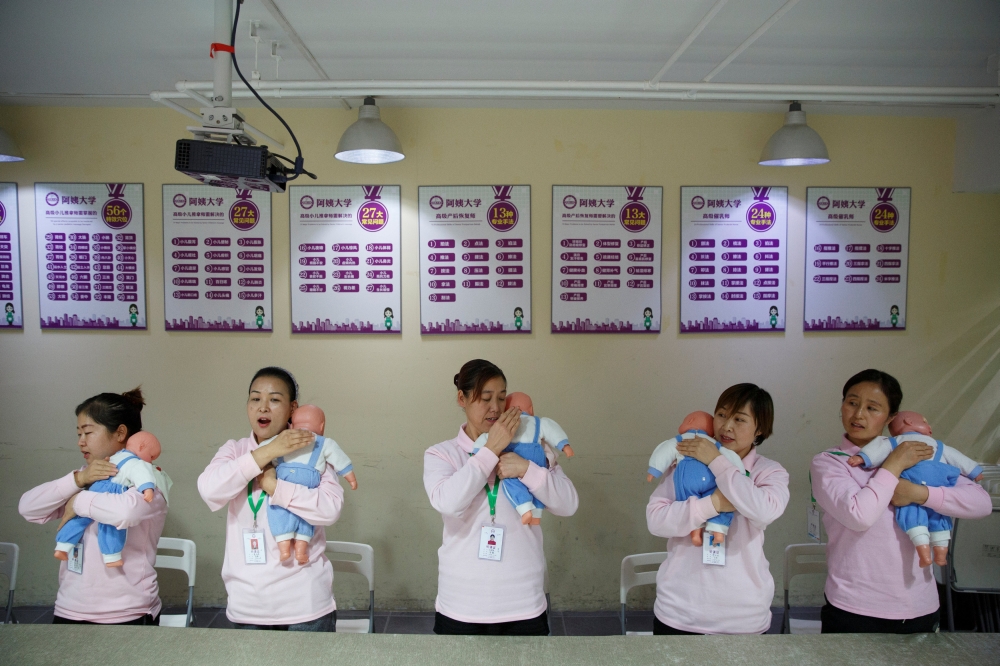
(490, 589)
(875, 583)
(697, 598)
(90, 592)
(264, 592)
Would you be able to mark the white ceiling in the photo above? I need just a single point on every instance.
(123, 49)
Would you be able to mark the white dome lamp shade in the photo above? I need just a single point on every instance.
(795, 144)
(9, 152)
(369, 140)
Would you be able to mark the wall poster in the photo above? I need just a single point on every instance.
(10, 258)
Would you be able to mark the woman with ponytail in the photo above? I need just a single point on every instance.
(90, 592)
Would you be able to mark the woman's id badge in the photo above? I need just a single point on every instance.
(813, 525)
(75, 562)
(491, 542)
(253, 546)
(711, 552)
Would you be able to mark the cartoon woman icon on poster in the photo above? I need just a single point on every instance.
(518, 318)
(774, 316)
(647, 318)
(9, 309)
(260, 316)
(894, 315)
(133, 314)
(388, 318)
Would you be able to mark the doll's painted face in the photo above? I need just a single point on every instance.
(269, 407)
(95, 441)
(483, 412)
(736, 429)
(864, 412)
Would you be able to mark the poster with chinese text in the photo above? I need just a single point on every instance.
(734, 252)
(607, 247)
(857, 248)
(91, 255)
(10, 259)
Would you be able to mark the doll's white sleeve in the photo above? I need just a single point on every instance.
(734, 458)
(876, 451)
(334, 455)
(552, 433)
(480, 442)
(663, 457)
(139, 473)
(969, 467)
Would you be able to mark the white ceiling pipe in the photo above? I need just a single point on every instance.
(197, 96)
(222, 86)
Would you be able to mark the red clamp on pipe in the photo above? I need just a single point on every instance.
(217, 46)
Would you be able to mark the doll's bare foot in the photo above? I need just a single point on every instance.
(718, 537)
(116, 563)
(62, 555)
(696, 537)
(301, 551)
(536, 521)
(924, 553)
(284, 550)
(941, 555)
(526, 518)
(649, 477)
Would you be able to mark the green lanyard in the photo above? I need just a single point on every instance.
(835, 453)
(491, 497)
(260, 501)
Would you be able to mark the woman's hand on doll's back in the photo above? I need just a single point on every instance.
(502, 432)
(906, 455)
(698, 448)
(97, 470)
(288, 441)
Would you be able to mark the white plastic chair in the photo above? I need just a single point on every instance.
(186, 563)
(793, 568)
(8, 568)
(365, 566)
(973, 563)
(631, 578)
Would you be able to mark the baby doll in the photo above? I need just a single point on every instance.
(926, 528)
(527, 444)
(305, 467)
(134, 471)
(693, 478)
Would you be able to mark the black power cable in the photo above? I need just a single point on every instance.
(298, 163)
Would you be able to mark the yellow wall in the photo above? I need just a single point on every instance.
(387, 399)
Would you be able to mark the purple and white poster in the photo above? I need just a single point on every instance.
(607, 245)
(216, 258)
(734, 252)
(475, 259)
(10, 259)
(345, 245)
(857, 249)
(91, 255)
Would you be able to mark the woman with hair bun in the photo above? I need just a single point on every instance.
(491, 567)
(89, 592)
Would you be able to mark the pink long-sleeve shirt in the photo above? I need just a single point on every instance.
(710, 599)
(484, 591)
(276, 592)
(104, 594)
(873, 565)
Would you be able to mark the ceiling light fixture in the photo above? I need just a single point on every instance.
(9, 152)
(795, 144)
(369, 140)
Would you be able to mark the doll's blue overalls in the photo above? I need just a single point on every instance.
(281, 520)
(693, 478)
(931, 472)
(110, 539)
(514, 489)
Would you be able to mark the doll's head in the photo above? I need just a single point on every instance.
(698, 421)
(909, 422)
(521, 400)
(145, 445)
(309, 417)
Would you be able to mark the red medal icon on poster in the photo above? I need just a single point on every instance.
(884, 216)
(760, 214)
(502, 215)
(244, 214)
(372, 215)
(116, 212)
(634, 216)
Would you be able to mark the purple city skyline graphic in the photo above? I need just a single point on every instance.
(713, 325)
(219, 324)
(607, 326)
(456, 326)
(856, 324)
(75, 321)
(326, 326)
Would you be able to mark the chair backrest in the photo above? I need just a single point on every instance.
(975, 554)
(631, 578)
(185, 562)
(365, 566)
(813, 565)
(8, 563)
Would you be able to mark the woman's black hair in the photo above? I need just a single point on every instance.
(473, 376)
(737, 396)
(889, 385)
(275, 372)
(113, 410)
